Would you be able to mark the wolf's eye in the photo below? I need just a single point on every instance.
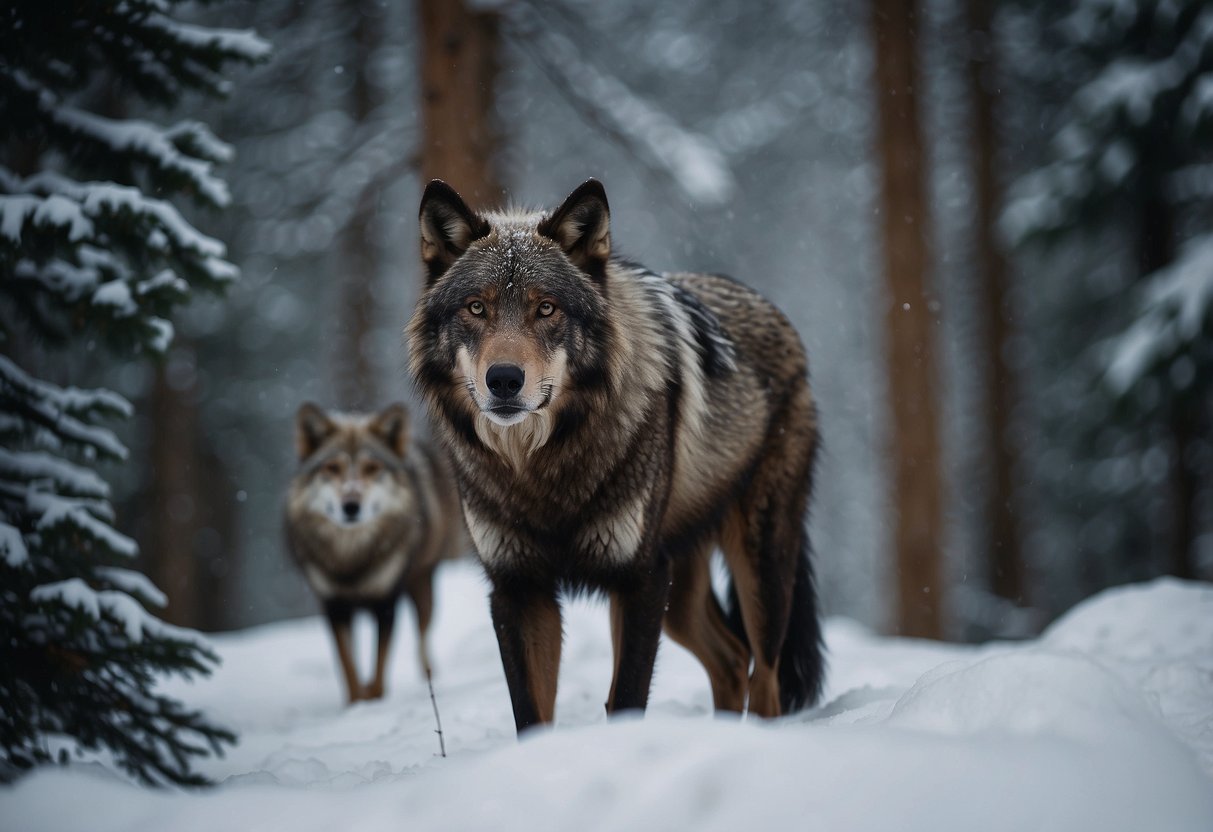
(371, 469)
(546, 309)
(476, 308)
(333, 469)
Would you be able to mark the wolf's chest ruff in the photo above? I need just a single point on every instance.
(602, 539)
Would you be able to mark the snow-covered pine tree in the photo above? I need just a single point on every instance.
(1132, 161)
(93, 252)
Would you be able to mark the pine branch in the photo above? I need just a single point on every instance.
(157, 150)
(84, 252)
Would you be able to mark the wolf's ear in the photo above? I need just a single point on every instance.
(391, 425)
(582, 226)
(448, 227)
(312, 427)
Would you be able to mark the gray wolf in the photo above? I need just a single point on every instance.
(369, 516)
(609, 427)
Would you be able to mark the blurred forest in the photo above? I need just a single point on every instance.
(990, 222)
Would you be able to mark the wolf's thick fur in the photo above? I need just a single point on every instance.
(609, 427)
(369, 516)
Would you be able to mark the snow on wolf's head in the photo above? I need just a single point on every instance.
(351, 465)
(512, 319)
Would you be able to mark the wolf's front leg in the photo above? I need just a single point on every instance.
(636, 615)
(385, 619)
(340, 614)
(529, 634)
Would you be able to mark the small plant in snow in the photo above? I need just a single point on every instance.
(92, 250)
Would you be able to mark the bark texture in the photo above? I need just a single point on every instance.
(912, 379)
(459, 63)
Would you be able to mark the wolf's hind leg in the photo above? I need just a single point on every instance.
(385, 619)
(695, 620)
(765, 602)
(529, 633)
(340, 614)
(764, 543)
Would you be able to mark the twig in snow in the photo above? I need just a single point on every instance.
(433, 701)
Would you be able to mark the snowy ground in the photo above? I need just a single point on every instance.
(1105, 723)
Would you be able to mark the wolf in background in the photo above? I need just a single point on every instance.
(370, 514)
(609, 427)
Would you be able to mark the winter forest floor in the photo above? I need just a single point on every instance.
(1104, 723)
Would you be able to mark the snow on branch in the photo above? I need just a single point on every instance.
(1086, 172)
(133, 139)
(169, 56)
(59, 277)
(691, 160)
(116, 296)
(1171, 315)
(12, 547)
(52, 211)
(60, 410)
(1101, 145)
(67, 477)
(89, 517)
(48, 199)
(133, 583)
(1040, 202)
(1128, 85)
(162, 335)
(146, 142)
(128, 613)
(1198, 108)
(198, 140)
(70, 400)
(243, 44)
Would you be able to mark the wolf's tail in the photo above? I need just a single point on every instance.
(802, 659)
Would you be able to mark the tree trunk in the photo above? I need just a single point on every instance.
(458, 79)
(188, 536)
(355, 384)
(1006, 567)
(906, 231)
(173, 497)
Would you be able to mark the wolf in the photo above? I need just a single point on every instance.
(609, 427)
(370, 514)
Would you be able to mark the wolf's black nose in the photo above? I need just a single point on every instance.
(351, 508)
(504, 380)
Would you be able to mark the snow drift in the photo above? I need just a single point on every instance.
(1105, 722)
